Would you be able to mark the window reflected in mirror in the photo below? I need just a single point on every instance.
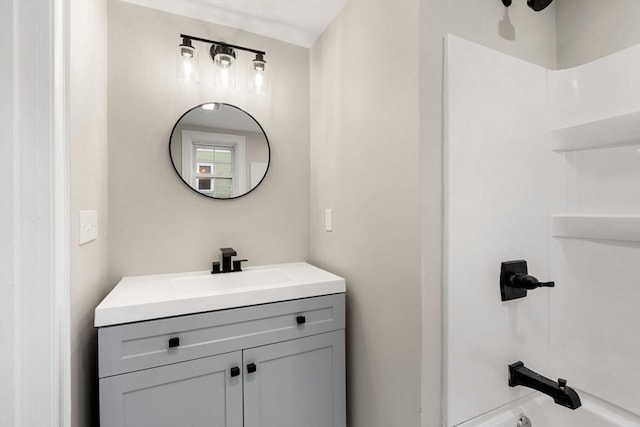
(219, 152)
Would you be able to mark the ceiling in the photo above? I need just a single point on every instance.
(298, 22)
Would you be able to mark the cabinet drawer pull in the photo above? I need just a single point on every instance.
(301, 320)
(174, 342)
(235, 371)
(251, 368)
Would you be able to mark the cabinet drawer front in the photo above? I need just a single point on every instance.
(135, 346)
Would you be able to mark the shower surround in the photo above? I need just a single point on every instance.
(544, 166)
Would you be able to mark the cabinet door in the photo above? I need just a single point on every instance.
(298, 383)
(197, 393)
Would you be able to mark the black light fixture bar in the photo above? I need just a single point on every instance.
(200, 39)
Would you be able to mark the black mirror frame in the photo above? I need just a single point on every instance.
(173, 163)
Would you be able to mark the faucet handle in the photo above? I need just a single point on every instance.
(215, 267)
(526, 281)
(562, 382)
(515, 280)
(237, 264)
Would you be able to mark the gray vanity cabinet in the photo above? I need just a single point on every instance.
(272, 365)
(189, 394)
(296, 383)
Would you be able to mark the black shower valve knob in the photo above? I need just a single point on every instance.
(515, 280)
(526, 281)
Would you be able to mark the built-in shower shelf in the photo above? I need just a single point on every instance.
(615, 131)
(622, 227)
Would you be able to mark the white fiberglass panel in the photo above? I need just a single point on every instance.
(542, 412)
(595, 321)
(604, 88)
(595, 243)
(496, 209)
(572, 213)
(597, 182)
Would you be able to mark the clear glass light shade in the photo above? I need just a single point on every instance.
(225, 76)
(259, 78)
(225, 71)
(187, 64)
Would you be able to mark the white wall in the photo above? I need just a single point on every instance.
(365, 166)
(156, 224)
(7, 221)
(88, 190)
(590, 29)
(33, 240)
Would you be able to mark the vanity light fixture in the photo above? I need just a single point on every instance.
(224, 59)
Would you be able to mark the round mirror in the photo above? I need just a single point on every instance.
(219, 150)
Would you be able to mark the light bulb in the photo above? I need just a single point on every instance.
(188, 69)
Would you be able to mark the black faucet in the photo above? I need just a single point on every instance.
(227, 254)
(561, 394)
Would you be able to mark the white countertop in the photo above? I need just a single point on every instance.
(141, 298)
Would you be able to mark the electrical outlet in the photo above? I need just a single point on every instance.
(88, 226)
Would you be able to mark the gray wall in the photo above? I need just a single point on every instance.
(479, 21)
(590, 29)
(88, 190)
(365, 166)
(157, 224)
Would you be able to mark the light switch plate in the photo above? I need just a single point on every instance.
(328, 220)
(88, 226)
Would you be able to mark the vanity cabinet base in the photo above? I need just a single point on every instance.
(284, 383)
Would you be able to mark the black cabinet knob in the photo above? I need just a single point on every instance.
(235, 371)
(174, 342)
(301, 320)
(251, 368)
